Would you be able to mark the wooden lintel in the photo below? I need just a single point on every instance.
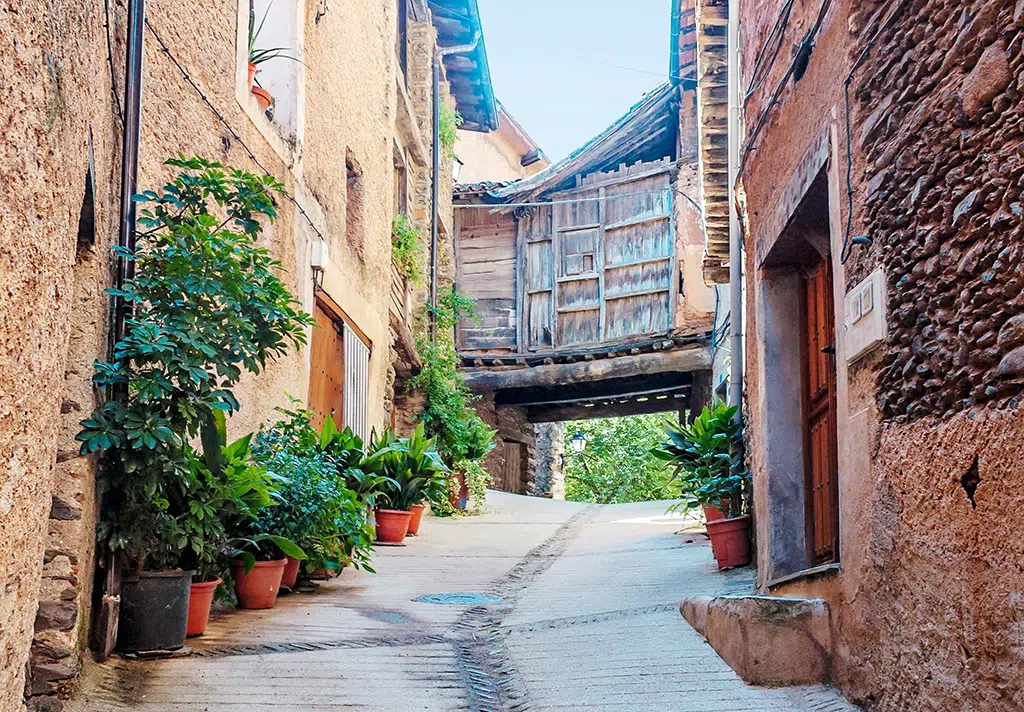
(691, 359)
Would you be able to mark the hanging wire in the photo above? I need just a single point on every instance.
(234, 134)
(808, 41)
(110, 62)
(844, 252)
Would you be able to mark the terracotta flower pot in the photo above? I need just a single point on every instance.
(258, 588)
(460, 500)
(730, 541)
(291, 572)
(417, 517)
(713, 512)
(252, 75)
(200, 599)
(263, 97)
(392, 525)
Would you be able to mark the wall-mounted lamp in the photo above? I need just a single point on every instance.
(456, 169)
(579, 442)
(318, 256)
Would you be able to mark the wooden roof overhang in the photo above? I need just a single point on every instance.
(712, 21)
(646, 132)
(469, 75)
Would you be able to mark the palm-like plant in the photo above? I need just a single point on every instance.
(705, 454)
(411, 468)
(264, 54)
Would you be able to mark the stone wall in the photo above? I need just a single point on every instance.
(511, 426)
(57, 118)
(941, 139)
(926, 609)
(550, 478)
(54, 317)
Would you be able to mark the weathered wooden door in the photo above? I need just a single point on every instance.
(578, 256)
(639, 249)
(512, 479)
(534, 256)
(822, 495)
(327, 368)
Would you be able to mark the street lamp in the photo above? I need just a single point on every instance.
(579, 442)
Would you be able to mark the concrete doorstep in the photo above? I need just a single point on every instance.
(767, 640)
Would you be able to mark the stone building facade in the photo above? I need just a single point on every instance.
(350, 124)
(884, 233)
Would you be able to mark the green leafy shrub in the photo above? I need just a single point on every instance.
(407, 248)
(450, 122)
(206, 304)
(704, 455)
(616, 465)
(316, 508)
(462, 437)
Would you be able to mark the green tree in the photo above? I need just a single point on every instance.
(617, 465)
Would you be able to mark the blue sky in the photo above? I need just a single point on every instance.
(549, 62)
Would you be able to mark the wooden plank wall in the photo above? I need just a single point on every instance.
(534, 249)
(615, 256)
(486, 265)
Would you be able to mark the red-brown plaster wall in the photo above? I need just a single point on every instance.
(928, 608)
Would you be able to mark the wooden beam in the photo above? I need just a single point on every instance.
(555, 413)
(691, 359)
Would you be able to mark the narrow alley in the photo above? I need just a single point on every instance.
(588, 620)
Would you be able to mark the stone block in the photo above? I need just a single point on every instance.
(767, 640)
(56, 615)
(990, 76)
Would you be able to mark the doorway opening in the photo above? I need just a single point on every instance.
(796, 315)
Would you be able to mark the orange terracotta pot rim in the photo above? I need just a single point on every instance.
(202, 585)
(393, 511)
(238, 563)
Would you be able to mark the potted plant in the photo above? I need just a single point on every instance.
(258, 56)
(205, 304)
(225, 489)
(705, 455)
(414, 470)
(316, 509)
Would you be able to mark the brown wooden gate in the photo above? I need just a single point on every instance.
(512, 460)
(327, 368)
(822, 496)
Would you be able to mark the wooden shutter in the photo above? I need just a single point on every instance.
(639, 251)
(822, 481)
(578, 258)
(327, 368)
(534, 253)
(357, 382)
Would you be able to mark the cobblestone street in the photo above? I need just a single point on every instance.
(588, 620)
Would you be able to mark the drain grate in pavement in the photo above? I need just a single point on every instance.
(460, 599)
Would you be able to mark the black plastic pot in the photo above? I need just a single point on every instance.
(154, 611)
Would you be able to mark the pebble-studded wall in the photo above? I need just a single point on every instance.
(940, 129)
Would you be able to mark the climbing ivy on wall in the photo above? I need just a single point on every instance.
(451, 120)
(463, 438)
(407, 248)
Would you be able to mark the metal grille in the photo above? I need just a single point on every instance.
(357, 383)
